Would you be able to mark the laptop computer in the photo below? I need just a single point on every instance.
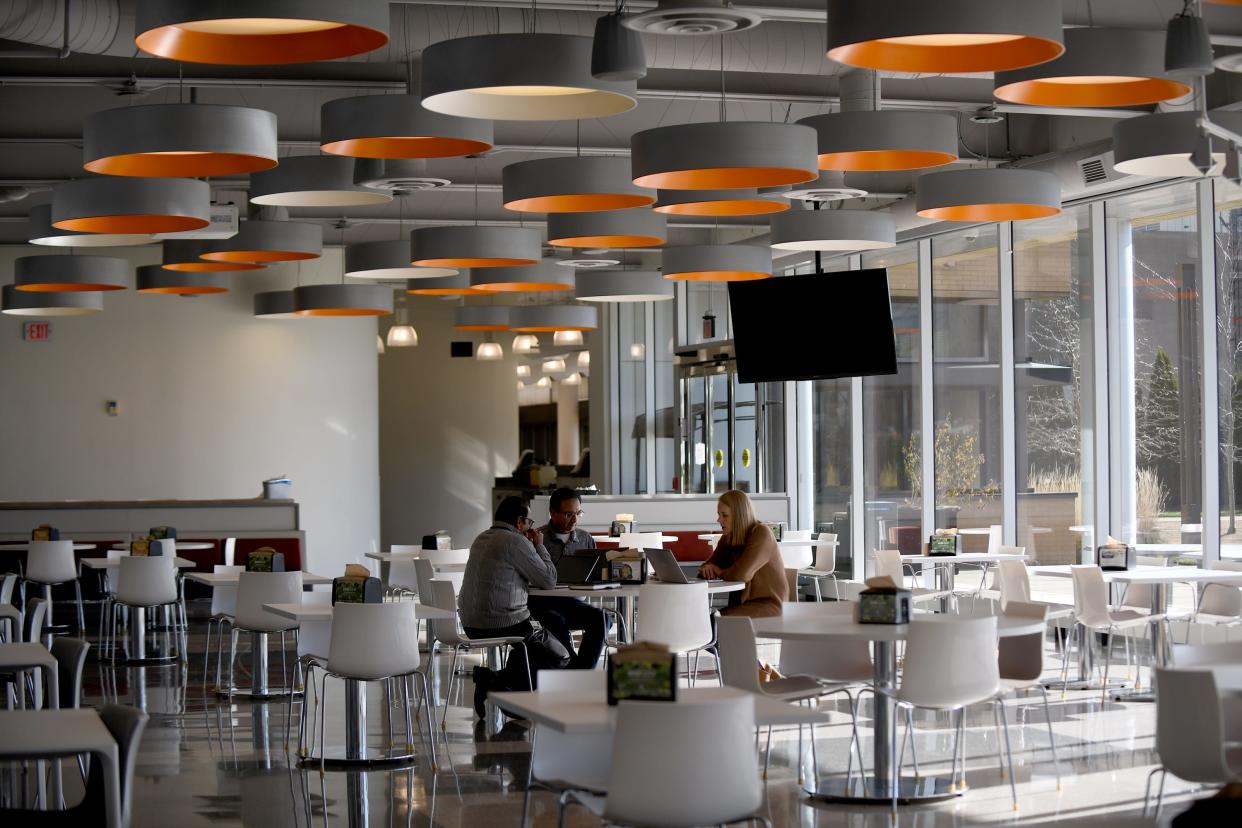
(669, 571)
(577, 570)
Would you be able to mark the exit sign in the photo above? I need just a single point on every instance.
(37, 331)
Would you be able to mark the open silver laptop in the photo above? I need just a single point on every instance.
(666, 568)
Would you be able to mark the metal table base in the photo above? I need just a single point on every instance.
(356, 751)
(260, 686)
(137, 653)
(910, 791)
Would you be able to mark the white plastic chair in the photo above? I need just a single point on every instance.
(223, 605)
(148, 582)
(402, 579)
(1219, 605)
(1092, 613)
(49, 563)
(230, 551)
(888, 562)
(1194, 739)
(312, 640)
(824, 565)
(1021, 660)
(677, 616)
(658, 775)
(254, 589)
(447, 557)
(1014, 582)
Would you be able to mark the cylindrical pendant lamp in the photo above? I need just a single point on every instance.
(833, 230)
(481, 318)
(258, 240)
(571, 185)
(387, 260)
(886, 139)
(274, 304)
(1161, 144)
(42, 274)
(520, 77)
(723, 155)
(313, 181)
(743, 202)
(342, 300)
(717, 263)
(185, 255)
(478, 246)
(617, 53)
(543, 275)
(1003, 194)
(1100, 68)
(259, 32)
(622, 286)
(157, 279)
(24, 303)
(610, 229)
(131, 205)
(398, 126)
(949, 36)
(43, 233)
(179, 140)
(456, 285)
(551, 318)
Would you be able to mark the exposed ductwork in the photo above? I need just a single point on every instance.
(97, 27)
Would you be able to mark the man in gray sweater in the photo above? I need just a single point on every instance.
(505, 562)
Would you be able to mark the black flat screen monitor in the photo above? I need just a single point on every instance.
(814, 326)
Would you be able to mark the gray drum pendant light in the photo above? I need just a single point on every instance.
(884, 139)
(623, 286)
(833, 230)
(477, 246)
(179, 140)
(542, 276)
(313, 181)
(43, 274)
(1170, 144)
(1100, 68)
(43, 233)
(576, 184)
(553, 318)
(455, 285)
(984, 195)
(259, 32)
(1187, 47)
(260, 240)
(157, 279)
(947, 36)
(617, 53)
(398, 126)
(723, 155)
(717, 263)
(23, 303)
(110, 204)
(610, 230)
(387, 260)
(274, 304)
(743, 202)
(185, 255)
(342, 300)
(481, 318)
(520, 77)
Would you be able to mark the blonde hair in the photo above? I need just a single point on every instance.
(743, 514)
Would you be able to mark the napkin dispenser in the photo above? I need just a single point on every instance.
(778, 530)
(352, 589)
(140, 547)
(625, 566)
(44, 532)
(643, 671)
(163, 532)
(265, 559)
(944, 543)
(1115, 557)
(883, 602)
(439, 540)
(622, 525)
(159, 547)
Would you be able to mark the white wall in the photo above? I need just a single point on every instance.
(447, 428)
(212, 401)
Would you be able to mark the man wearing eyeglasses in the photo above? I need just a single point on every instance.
(562, 616)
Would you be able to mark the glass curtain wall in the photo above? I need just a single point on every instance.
(632, 396)
(1229, 362)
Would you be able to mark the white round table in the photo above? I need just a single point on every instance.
(188, 546)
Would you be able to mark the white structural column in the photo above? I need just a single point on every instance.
(926, 398)
(1100, 446)
(800, 451)
(567, 446)
(1009, 469)
(649, 383)
(1211, 377)
(1120, 331)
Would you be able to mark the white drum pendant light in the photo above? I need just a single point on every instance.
(833, 230)
(551, 318)
(481, 318)
(398, 126)
(157, 279)
(987, 195)
(131, 205)
(489, 352)
(1100, 68)
(455, 285)
(44, 274)
(745, 202)
(259, 240)
(22, 303)
(520, 77)
(885, 139)
(571, 185)
(475, 246)
(948, 36)
(342, 300)
(179, 140)
(567, 338)
(1161, 144)
(387, 260)
(43, 233)
(609, 230)
(313, 181)
(259, 32)
(717, 263)
(274, 304)
(526, 344)
(541, 276)
(623, 286)
(723, 155)
(185, 255)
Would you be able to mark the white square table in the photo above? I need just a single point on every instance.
(945, 566)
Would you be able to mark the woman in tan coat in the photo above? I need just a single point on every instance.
(747, 552)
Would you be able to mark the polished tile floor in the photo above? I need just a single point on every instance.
(206, 760)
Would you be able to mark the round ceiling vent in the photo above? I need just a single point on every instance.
(588, 264)
(404, 175)
(692, 17)
(830, 186)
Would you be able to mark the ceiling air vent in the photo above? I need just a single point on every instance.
(401, 175)
(692, 17)
(1098, 169)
